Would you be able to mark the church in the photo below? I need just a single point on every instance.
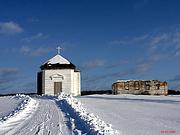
(58, 75)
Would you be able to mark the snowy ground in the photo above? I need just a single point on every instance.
(48, 115)
(83, 121)
(65, 115)
(40, 116)
(7, 104)
(137, 115)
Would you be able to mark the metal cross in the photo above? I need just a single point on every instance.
(59, 49)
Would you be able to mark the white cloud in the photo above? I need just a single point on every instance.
(176, 39)
(130, 41)
(166, 40)
(159, 38)
(10, 28)
(7, 75)
(34, 37)
(144, 67)
(177, 54)
(93, 64)
(40, 51)
(160, 45)
(4, 71)
(26, 50)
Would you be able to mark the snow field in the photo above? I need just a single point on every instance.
(92, 122)
(21, 106)
(137, 114)
(16, 116)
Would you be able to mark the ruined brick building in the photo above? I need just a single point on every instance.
(147, 87)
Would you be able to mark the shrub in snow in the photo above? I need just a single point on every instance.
(95, 124)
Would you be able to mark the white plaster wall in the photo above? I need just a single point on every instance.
(71, 81)
(77, 84)
(67, 81)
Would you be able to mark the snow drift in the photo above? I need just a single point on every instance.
(92, 122)
(14, 119)
(24, 102)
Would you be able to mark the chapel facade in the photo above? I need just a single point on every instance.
(58, 75)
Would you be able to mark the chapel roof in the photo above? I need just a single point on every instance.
(58, 59)
(58, 62)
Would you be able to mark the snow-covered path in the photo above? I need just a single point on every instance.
(43, 117)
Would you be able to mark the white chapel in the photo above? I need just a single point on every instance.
(58, 75)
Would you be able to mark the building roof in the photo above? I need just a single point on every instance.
(57, 62)
(58, 59)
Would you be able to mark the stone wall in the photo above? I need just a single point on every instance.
(147, 87)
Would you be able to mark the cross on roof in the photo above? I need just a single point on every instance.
(59, 49)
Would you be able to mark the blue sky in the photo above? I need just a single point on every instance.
(106, 39)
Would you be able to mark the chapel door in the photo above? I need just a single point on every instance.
(57, 88)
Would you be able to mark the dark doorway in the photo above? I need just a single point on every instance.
(57, 88)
